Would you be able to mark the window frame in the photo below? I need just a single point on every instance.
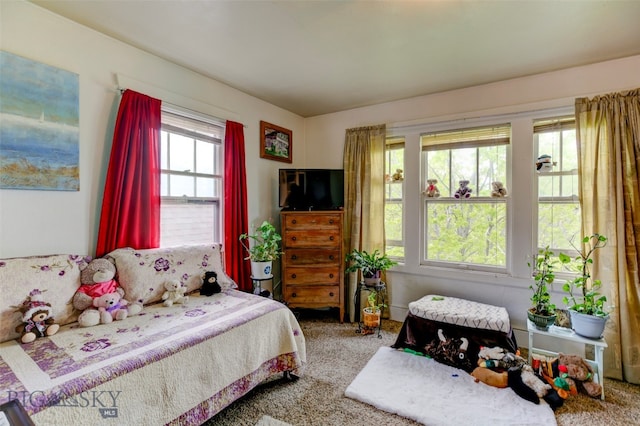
(474, 199)
(197, 120)
(395, 143)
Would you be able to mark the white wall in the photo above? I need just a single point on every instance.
(45, 222)
(556, 90)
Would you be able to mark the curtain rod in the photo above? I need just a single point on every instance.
(122, 90)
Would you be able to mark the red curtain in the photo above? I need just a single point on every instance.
(236, 219)
(130, 214)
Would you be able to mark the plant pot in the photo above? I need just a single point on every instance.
(542, 322)
(372, 281)
(261, 270)
(371, 317)
(589, 326)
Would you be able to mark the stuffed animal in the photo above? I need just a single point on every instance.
(490, 377)
(498, 190)
(97, 278)
(397, 175)
(534, 382)
(464, 191)
(544, 164)
(111, 307)
(174, 293)
(210, 284)
(36, 318)
(581, 372)
(450, 351)
(432, 190)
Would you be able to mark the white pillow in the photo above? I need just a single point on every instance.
(142, 273)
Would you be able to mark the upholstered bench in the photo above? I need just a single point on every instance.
(461, 312)
(476, 324)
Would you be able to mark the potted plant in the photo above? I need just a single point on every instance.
(372, 312)
(585, 303)
(263, 248)
(542, 312)
(370, 264)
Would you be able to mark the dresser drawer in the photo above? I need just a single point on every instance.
(302, 275)
(312, 221)
(329, 295)
(312, 257)
(327, 238)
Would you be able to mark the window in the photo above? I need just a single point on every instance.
(191, 181)
(394, 195)
(558, 213)
(466, 232)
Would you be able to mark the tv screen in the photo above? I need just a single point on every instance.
(311, 189)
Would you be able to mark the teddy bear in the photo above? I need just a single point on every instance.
(111, 306)
(97, 278)
(464, 191)
(174, 293)
(397, 175)
(498, 190)
(36, 318)
(576, 369)
(210, 284)
(432, 190)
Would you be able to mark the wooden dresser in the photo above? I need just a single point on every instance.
(313, 259)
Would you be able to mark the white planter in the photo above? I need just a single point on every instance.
(588, 326)
(261, 270)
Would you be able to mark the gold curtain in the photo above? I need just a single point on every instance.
(608, 132)
(364, 196)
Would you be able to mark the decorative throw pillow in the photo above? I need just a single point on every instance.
(143, 273)
(58, 276)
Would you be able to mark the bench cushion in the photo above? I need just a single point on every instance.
(462, 312)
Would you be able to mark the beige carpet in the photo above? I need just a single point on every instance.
(336, 354)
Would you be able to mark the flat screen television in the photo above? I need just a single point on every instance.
(311, 189)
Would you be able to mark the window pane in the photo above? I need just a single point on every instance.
(492, 167)
(164, 160)
(181, 186)
(438, 168)
(461, 232)
(569, 151)
(558, 224)
(164, 185)
(181, 153)
(463, 167)
(204, 157)
(205, 187)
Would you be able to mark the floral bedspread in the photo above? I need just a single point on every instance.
(50, 372)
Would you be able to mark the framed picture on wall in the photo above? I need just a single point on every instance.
(275, 142)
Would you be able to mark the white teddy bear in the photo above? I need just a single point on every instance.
(174, 293)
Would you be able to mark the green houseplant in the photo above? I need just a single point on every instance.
(373, 311)
(370, 264)
(263, 247)
(586, 304)
(542, 312)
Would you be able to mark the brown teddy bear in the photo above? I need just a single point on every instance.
(36, 318)
(578, 370)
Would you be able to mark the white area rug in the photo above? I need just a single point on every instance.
(431, 393)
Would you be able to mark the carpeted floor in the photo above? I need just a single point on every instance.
(336, 354)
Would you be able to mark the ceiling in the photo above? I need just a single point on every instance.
(317, 57)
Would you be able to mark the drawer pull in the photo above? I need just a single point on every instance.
(331, 294)
(293, 276)
(294, 257)
(294, 221)
(330, 257)
(330, 221)
(293, 238)
(293, 295)
(331, 238)
(330, 275)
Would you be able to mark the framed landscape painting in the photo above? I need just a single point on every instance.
(39, 131)
(275, 142)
